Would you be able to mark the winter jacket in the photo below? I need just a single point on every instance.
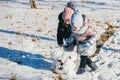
(63, 32)
(86, 43)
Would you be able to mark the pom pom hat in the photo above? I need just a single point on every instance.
(77, 21)
(71, 5)
(68, 11)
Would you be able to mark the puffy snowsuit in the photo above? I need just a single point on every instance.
(86, 37)
(86, 42)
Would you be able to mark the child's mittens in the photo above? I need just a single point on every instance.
(69, 47)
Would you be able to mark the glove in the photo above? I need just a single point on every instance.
(69, 47)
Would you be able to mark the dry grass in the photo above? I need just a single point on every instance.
(54, 36)
(39, 30)
(35, 39)
(60, 78)
(103, 38)
(9, 17)
(51, 47)
(13, 78)
(9, 43)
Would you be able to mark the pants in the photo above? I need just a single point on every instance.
(84, 61)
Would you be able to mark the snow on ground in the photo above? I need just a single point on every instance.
(28, 36)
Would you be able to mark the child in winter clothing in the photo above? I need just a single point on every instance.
(85, 36)
(64, 28)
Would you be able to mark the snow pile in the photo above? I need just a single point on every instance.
(65, 62)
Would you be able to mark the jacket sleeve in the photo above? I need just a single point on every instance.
(60, 16)
(59, 30)
(59, 35)
(93, 35)
(70, 40)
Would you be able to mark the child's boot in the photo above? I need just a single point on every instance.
(80, 70)
(93, 66)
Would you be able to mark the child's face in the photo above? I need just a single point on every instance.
(75, 28)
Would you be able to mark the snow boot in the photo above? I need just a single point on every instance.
(93, 66)
(81, 70)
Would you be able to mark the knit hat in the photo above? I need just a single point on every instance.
(71, 5)
(77, 21)
(67, 13)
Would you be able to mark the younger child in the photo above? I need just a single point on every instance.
(85, 37)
